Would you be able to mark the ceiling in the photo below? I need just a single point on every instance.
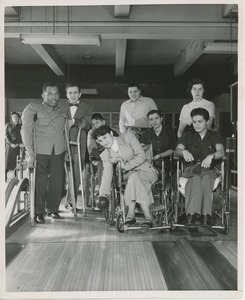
(130, 35)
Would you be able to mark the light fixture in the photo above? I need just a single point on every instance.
(60, 39)
(220, 48)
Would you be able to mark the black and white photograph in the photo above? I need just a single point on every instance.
(122, 145)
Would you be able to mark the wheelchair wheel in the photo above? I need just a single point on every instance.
(120, 223)
(109, 213)
(109, 216)
(13, 182)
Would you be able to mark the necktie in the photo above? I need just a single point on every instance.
(71, 105)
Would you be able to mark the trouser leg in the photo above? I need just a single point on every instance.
(55, 184)
(76, 179)
(42, 173)
(193, 195)
(207, 188)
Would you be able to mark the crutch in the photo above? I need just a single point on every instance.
(81, 188)
(32, 182)
(69, 171)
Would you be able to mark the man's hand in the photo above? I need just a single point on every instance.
(71, 122)
(31, 159)
(66, 156)
(14, 145)
(187, 156)
(95, 162)
(82, 124)
(207, 161)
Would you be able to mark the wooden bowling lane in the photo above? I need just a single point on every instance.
(87, 266)
(197, 265)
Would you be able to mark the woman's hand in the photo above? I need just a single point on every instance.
(187, 156)
(207, 161)
(156, 157)
(122, 162)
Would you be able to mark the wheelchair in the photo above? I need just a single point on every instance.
(162, 210)
(220, 198)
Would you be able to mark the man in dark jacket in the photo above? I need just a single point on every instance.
(44, 138)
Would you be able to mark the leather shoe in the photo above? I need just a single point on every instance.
(207, 220)
(39, 219)
(147, 224)
(191, 219)
(130, 221)
(53, 215)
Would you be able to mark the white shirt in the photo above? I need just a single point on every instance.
(73, 109)
(115, 146)
(133, 113)
(185, 114)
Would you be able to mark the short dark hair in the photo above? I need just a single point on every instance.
(133, 84)
(52, 84)
(15, 113)
(72, 84)
(102, 130)
(154, 111)
(193, 82)
(200, 112)
(97, 116)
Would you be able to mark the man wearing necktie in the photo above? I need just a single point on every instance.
(80, 115)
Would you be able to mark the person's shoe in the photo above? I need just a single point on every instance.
(191, 220)
(69, 206)
(207, 220)
(130, 221)
(53, 215)
(96, 208)
(147, 224)
(39, 219)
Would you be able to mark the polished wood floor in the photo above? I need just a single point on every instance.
(90, 255)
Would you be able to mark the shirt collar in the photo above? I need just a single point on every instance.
(139, 99)
(115, 146)
(50, 108)
(207, 133)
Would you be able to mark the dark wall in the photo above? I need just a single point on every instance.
(25, 81)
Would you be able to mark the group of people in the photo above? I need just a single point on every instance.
(43, 134)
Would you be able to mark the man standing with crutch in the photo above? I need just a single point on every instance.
(43, 134)
(80, 116)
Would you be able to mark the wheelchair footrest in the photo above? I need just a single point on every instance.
(217, 227)
(134, 228)
(181, 225)
(161, 227)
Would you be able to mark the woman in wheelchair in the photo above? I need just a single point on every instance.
(137, 171)
(201, 150)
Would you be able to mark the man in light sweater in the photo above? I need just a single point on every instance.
(133, 112)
